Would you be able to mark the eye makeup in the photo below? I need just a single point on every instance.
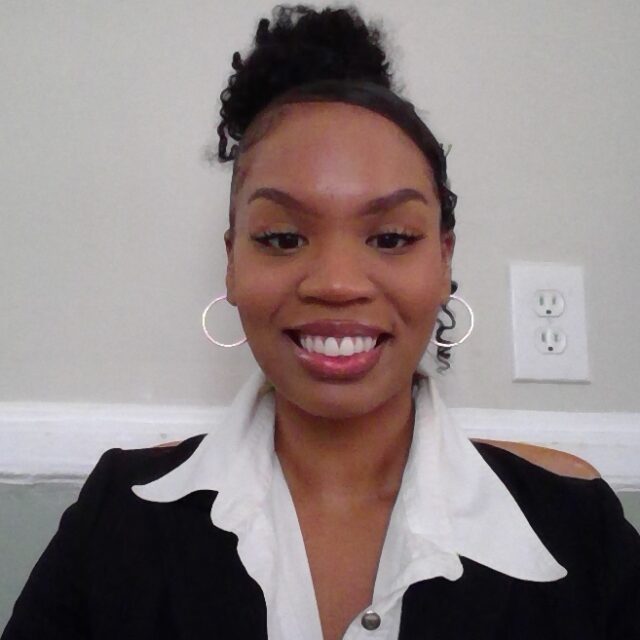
(280, 240)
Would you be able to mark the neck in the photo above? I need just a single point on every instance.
(342, 462)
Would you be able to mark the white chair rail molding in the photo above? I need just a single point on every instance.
(58, 442)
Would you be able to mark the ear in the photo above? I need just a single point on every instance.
(229, 278)
(447, 245)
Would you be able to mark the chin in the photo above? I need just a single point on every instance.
(339, 401)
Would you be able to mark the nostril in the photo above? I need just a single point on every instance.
(340, 285)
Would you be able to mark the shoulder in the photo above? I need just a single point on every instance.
(107, 510)
(552, 489)
(558, 462)
(119, 469)
(574, 512)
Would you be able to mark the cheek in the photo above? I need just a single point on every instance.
(416, 292)
(259, 294)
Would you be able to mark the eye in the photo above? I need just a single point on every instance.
(285, 241)
(393, 240)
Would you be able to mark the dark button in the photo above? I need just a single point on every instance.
(370, 620)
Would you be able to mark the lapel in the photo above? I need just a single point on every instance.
(471, 607)
(204, 587)
(454, 500)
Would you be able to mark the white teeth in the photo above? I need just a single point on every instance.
(346, 347)
(333, 347)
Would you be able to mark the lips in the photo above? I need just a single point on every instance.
(338, 367)
(338, 328)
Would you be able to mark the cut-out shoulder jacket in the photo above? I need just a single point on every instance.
(120, 567)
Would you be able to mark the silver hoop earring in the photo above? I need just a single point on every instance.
(469, 330)
(204, 326)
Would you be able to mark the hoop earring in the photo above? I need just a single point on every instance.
(204, 326)
(469, 330)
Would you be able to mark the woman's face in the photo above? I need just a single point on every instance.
(337, 242)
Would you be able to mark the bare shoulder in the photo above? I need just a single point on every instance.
(173, 443)
(565, 464)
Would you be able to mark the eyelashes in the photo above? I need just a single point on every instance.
(284, 241)
(289, 241)
(386, 240)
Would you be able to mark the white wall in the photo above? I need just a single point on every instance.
(111, 222)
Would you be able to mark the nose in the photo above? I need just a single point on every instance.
(337, 273)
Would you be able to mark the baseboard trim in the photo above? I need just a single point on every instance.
(59, 442)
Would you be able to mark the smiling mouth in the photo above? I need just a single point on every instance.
(336, 346)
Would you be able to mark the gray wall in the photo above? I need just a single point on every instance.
(111, 240)
(29, 516)
(111, 223)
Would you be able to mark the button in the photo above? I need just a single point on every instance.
(370, 620)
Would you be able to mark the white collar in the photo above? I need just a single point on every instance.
(450, 501)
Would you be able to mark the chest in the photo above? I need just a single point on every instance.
(343, 551)
(182, 579)
(186, 605)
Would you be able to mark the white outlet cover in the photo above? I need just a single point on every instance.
(529, 362)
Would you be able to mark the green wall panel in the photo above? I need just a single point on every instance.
(29, 516)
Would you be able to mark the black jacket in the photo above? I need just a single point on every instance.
(120, 567)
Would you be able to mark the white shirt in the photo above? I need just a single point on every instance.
(450, 504)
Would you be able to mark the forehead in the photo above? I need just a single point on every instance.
(333, 149)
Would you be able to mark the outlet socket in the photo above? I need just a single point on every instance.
(551, 341)
(549, 325)
(548, 303)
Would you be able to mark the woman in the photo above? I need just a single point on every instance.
(337, 500)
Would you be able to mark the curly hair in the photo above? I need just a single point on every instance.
(301, 46)
(304, 55)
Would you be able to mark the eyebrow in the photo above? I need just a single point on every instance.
(388, 202)
(375, 206)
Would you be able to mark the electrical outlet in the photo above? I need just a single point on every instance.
(549, 303)
(549, 326)
(550, 341)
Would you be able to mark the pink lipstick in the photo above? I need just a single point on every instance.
(369, 341)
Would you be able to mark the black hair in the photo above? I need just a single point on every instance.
(304, 55)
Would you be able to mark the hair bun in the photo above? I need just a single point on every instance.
(299, 45)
